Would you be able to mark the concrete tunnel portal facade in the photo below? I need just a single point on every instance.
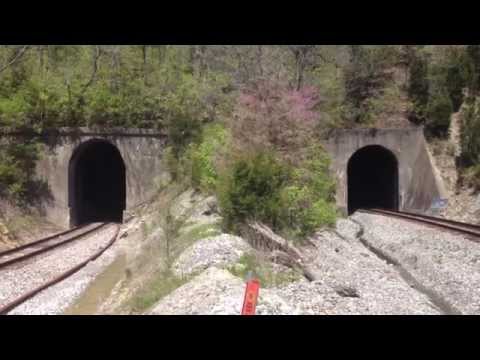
(103, 175)
(96, 183)
(383, 168)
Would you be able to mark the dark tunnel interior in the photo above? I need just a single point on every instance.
(372, 179)
(97, 184)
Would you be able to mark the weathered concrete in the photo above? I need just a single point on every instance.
(143, 154)
(418, 183)
(141, 151)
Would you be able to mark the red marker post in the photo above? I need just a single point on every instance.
(251, 296)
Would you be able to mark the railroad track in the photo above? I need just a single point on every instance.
(21, 254)
(27, 251)
(456, 226)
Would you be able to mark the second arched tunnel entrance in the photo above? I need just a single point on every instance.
(97, 183)
(372, 179)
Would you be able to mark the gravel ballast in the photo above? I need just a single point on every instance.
(447, 264)
(217, 292)
(220, 251)
(22, 279)
(353, 280)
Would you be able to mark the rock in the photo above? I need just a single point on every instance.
(220, 251)
(4, 230)
(217, 292)
(346, 291)
(476, 204)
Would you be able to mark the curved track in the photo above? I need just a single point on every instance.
(22, 253)
(464, 228)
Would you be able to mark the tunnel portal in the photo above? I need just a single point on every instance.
(372, 179)
(97, 183)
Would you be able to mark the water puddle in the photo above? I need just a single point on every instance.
(99, 289)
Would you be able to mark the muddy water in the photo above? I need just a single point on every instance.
(99, 289)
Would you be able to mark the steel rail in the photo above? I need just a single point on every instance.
(457, 226)
(41, 241)
(46, 248)
(20, 300)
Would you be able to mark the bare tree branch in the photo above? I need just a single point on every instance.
(96, 56)
(18, 55)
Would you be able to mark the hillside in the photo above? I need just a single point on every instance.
(217, 101)
(243, 133)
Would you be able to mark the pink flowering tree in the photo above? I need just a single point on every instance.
(274, 116)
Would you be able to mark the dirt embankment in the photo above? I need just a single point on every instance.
(463, 202)
(20, 226)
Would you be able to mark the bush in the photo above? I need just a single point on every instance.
(308, 201)
(17, 163)
(182, 131)
(204, 157)
(471, 177)
(418, 85)
(438, 113)
(294, 201)
(251, 190)
(470, 134)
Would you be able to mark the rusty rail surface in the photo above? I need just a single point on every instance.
(20, 300)
(457, 226)
(41, 241)
(23, 257)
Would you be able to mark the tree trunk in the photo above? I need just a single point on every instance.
(145, 70)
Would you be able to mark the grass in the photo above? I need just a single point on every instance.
(156, 260)
(263, 271)
(200, 232)
(159, 286)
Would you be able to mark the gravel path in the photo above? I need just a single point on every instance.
(21, 279)
(447, 264)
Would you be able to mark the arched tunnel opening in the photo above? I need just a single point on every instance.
(372, 179)
(97, 184)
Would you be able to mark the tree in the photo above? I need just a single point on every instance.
(271, 115)
(470, 134)
(418, 86)
(438, 113)
(473, 52)
(303, 59)
(365, 79)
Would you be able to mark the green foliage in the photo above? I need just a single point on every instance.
(204, 156)
(308, 199)
(17, 162)
(365, 79)
(418, 88)
(296, 201)
(252, 189)
(458, 72)
(263, 271)
(436, 88)
(471, 177)
(438, 113)
(470, 134)
(159, 286)
(181, 132)
(473, 52)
